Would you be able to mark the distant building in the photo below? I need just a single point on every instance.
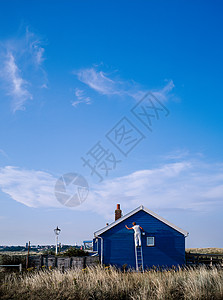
(163, 244)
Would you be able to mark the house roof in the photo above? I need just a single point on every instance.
(148, 211)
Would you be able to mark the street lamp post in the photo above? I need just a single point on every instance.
(57, 232)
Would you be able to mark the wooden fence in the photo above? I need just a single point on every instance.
(194, 259)
(62, 263)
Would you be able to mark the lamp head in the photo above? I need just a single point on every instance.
(57, 231)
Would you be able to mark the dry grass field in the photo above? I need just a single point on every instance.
(111, 284)
(205, 250)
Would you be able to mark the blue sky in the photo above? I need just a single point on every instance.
(70, 71)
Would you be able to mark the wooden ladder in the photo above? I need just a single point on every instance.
(139, 259)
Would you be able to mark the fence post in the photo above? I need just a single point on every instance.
(41, 262)
(27, 259)
(71, 262)
(84, 262)
(211, 262)
(20, 268)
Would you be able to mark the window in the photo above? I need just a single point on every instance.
(150, 241)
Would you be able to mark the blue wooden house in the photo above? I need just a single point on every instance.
(163, 244)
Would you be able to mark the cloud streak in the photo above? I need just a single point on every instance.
(98, 81)
(17, 86)
(3, 153)
(101, 83)
(81, 98)
(21, 60)
(29, 187)
(184, 185)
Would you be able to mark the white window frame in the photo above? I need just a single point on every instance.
(149, 238)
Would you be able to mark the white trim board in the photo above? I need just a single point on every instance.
(148, 211)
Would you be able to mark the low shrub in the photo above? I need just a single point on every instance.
(12, 260)
(72, 251)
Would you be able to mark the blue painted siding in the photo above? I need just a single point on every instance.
(118, 243)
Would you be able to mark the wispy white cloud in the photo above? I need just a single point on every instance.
(21, 60)
(98, 81)
(37, 52)
(17, 86)
(3, 153)
(176, 155)
(104, 84)
(29, 187)
(81, 98)
(164, 93)
(180, 154)
(184, 185)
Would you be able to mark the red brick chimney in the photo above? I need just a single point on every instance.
(118, 212)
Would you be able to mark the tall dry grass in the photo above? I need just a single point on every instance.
(100, 283)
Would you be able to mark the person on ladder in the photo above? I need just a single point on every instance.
(137, 233)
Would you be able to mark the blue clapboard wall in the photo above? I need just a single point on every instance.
(118, 243)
